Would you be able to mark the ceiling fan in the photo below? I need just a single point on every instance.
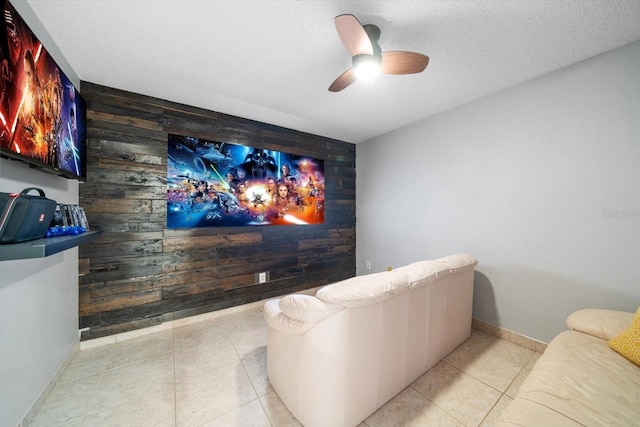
(362, 43)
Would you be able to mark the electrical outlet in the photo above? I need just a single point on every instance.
(367, 265)
(262, 277)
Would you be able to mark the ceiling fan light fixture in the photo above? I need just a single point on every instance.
(366, 67)
(367, 59)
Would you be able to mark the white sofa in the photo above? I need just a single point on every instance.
(580, 380)
(336, 357)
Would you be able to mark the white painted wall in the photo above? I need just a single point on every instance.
(38, 305)
(39, 297)
(540, 182)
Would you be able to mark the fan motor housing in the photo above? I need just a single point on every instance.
(373, 32)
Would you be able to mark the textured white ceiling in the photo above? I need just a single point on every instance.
(273, 61)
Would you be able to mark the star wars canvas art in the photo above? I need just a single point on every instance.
(219, 184)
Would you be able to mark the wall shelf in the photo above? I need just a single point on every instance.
(44, 247)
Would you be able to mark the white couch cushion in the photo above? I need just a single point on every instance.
(365, 290)
(422, 272)
(458, 262)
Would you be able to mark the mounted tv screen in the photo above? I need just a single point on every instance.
(42, 115)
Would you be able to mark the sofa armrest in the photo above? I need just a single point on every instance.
(279, 321)
(307, 308)
(600, 323)
(296, 314)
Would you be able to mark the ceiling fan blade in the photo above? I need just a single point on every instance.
(399, 62)
(353, 35)
(344, 80)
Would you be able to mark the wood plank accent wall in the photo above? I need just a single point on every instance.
(138, 273)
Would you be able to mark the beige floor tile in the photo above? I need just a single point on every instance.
(511, 352)
(495, 412)
(244, 321)
(66, 402)
(194, 359)
(89, 362)
(208, 331)
(155, 408)
(496, 346)
(493, 370)
(459, 394)
(122, 384)
(78, 422)
(410, 408)
(277, 412)
(154, 346)
(211, 394)
(246, 342)
(255, 364)
(512, 391)
(213, 373)
(480, 340)
(250, 415)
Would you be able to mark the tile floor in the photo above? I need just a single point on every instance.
(213, 373)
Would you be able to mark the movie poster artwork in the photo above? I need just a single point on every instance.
(40, 117)
(218, 184)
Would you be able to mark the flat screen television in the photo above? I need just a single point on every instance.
(42, 114)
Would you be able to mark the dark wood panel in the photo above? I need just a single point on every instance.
(138, 273)
(117, 287)
(122, 267)
(104, 149)
(119, 301)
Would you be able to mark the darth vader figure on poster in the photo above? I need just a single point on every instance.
(259, 163)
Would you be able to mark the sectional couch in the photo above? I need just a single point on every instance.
(580, 380)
